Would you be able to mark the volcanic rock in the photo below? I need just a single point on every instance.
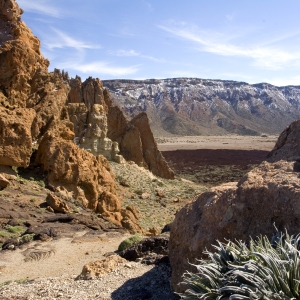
(267, 195)
(151, 249)
(16, 136)
(99, 268)
(57, 204)
(3, 182)
(102, 128)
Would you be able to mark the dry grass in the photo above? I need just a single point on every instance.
(157, 199)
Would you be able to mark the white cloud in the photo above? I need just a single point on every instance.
(125, 53)
(40, 6)
(63, 40)
(264, 57)
(103, 68)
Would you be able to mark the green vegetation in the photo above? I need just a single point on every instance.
(26, 238)
(14, 229)
(264, 270)
(129, 242)
(41, 183)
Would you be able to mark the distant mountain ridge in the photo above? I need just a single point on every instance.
(193, 106)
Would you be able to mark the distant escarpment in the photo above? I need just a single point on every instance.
(66, 127)
(192, 106)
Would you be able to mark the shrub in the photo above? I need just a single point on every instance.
(264, 270)
(14, 229)
(129, 242)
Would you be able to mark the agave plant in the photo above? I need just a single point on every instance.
(264, 270)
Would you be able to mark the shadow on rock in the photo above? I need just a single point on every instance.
(155, 284)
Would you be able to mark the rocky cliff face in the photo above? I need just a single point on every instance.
(192, 106)
(102, 128)
(268, 195)
(44, 115)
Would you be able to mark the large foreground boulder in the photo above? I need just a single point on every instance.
(268, 195)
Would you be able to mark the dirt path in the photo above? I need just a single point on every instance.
(64, 256)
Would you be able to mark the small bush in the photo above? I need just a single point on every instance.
(264, 270)
(129, 242)
(14, 229)
(41, 183)
(26, 238)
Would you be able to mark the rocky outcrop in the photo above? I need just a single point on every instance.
(99, 268)
(152, 156)
(268, 195)
(102, 128)
(16, 136)
(35, 127)
(194, 106)
(20, 57)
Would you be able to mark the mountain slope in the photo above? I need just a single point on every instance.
(192, 106)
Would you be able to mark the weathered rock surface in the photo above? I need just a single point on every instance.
(151, 250)
(194, 106)
(15, 136)
(57, 204)
(3, 182)
(101, 128)
(268, 194)
(99, 268)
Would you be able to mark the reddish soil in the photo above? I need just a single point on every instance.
(180, 159)
(213, 167)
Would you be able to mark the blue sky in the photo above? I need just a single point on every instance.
(252, 41)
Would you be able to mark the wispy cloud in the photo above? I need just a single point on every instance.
(63, 40)
(125, 53)
(213, 42)
(148, 5)
(40, 6)
(103, 68)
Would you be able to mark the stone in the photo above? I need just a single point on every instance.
(15, 136)
(3, 182)
(267, 195)
(152, 246)
(81, 173)
(99, 268)
(56, 203)
(153, 157)
(130, 221)
(87, 110)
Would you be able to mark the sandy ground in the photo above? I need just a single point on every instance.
(217, 142)
(65, 256)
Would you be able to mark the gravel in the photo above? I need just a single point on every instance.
(130, 281)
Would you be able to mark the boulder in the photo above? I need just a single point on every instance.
(99, 268)
(150, 250)
(57, 204)
(3, 182)
(267, 195)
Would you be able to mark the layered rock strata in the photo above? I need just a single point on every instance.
(268, 195)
